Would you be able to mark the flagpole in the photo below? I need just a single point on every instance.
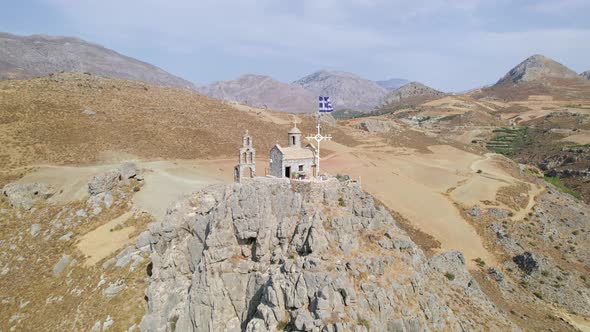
(318, 137)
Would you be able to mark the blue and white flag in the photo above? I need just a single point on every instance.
(325, 105)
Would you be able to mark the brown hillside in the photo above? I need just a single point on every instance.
(43, 121)
(558, 88)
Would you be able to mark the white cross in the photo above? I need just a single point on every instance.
(318, 138)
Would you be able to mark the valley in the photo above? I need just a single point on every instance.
(119, 205)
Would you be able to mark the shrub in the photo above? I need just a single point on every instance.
(480, 262)
(538, 295)
(341, 201)
(450, 276)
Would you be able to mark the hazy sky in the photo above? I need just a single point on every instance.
(451, 45)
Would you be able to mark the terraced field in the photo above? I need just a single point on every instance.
(506, 140)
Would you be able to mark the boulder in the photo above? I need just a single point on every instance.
(63, 262)
(24, 195)
(110, 179)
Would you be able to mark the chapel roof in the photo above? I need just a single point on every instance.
(293, 152)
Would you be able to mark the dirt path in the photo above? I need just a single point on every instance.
(105, 240)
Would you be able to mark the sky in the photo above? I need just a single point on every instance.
(451, 45)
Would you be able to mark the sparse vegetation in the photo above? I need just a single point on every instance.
(282, 326)
(450, 276)
(562, 187)
(341, 202)
(364, 322)
(480, 262)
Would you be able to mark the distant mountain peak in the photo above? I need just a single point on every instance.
(41, 55)
(536, 67)
(411, 90)
(393, 83)
(262, 91)
(346, 90)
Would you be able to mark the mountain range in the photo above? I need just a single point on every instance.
(262, 91)
(41, 55)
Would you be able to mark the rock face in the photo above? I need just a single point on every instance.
(40, 55)
(586, 74)
(263, 91)
(412, 89)
(346, 90)
(534, 68)
(24, 195)
(270, 254)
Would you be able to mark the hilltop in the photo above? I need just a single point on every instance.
(263, 91)
(392, 84)
(537, 67)
(412, 90)
(78, 118)
(346, 90)
(40, 55)
(271, 254)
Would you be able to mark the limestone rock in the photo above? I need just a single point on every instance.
(110, 179)
(24, 195)
(269, 253)
(63, 262)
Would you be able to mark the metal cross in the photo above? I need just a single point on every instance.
(318, 138)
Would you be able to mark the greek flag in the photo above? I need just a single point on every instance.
(325, 105)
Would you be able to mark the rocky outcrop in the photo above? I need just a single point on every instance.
(24, 195)
(586, 74)
(376, 126)
(534, 68)
(100, 186)
(269, 254)
(106, 181)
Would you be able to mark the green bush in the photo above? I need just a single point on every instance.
(450, 276)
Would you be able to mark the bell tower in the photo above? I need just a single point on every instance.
(294, 137)
(247, 160)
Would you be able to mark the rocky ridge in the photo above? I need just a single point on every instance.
(40, 55)
(270, 254)
(537, 67)
(586, 74)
